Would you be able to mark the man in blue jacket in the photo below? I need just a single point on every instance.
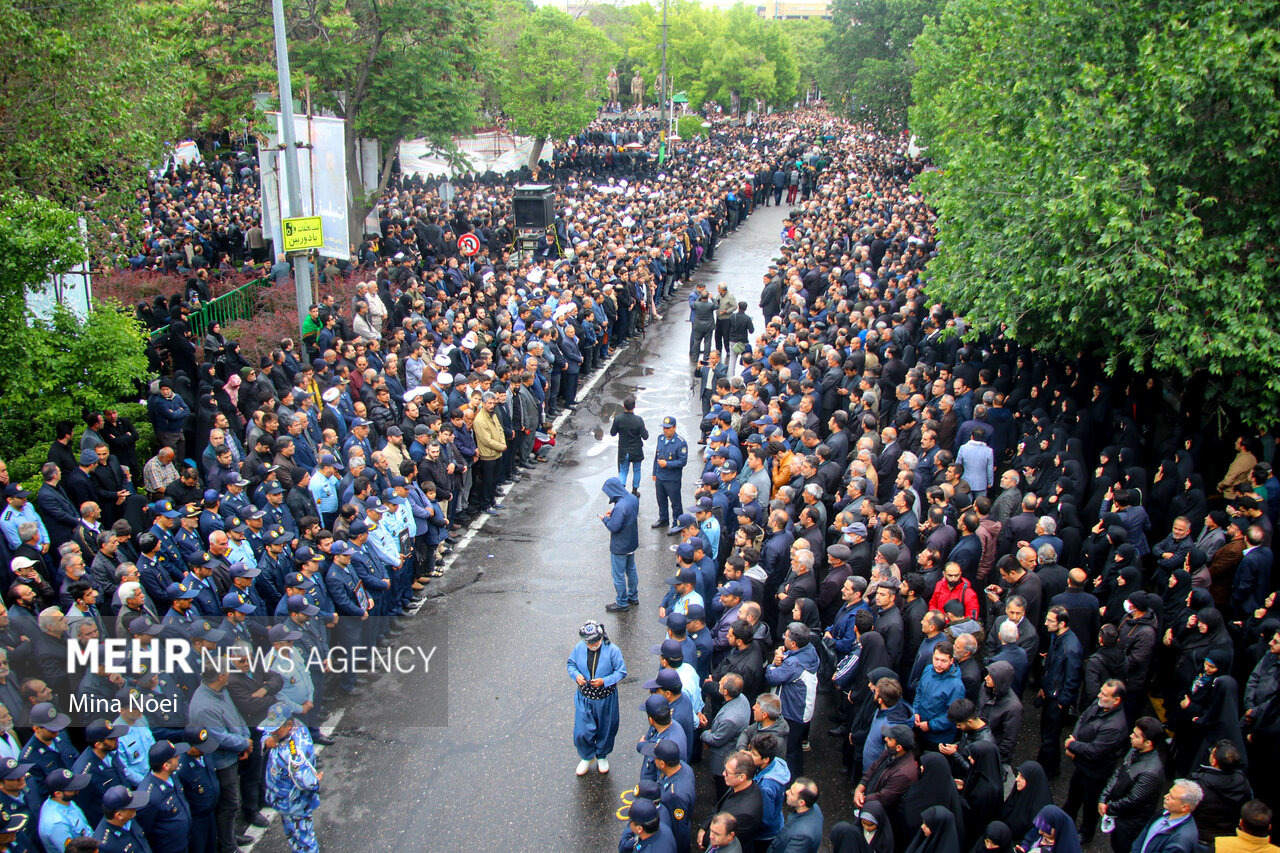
(802, 833)
(1174, 829)
(624, 539)
(940, 685)
(169, 416)
(794, 672)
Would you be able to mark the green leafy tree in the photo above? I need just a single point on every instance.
(88, 95)
(690, 127)
(870, 44)
(53, 369)
(225, 50)
(1108, 182)
(394, 69)
(816, 68)
(713, 55)
(37, 239)
(502, 29)
(555, 77)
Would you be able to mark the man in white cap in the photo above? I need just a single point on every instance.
(331, 416)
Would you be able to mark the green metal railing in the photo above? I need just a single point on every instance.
(236, 304)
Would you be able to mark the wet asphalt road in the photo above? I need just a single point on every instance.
(499, 776)
(494, 771)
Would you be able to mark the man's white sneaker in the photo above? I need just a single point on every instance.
(583, 766)
(602, 764)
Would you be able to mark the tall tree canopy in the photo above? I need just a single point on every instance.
(554, 77)
(713, 54)
(394, 69)
(1108, 180)
(870, 43)
(88, 96)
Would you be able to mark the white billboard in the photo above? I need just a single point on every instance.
(72, 289)
(322, 173)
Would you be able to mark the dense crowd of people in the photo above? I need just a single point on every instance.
(925, 532)
(298, 506)
(935, 542)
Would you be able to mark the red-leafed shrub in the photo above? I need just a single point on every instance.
(128, 287)
(276, 316)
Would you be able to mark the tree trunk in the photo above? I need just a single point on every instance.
(538, 142)
(359, 202)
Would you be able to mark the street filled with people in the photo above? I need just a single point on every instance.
(895, 548)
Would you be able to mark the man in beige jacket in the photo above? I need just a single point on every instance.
(491, 442)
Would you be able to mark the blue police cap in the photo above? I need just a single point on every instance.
(643, 811)
(666, 679)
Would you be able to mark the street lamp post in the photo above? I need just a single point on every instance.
(289, 144)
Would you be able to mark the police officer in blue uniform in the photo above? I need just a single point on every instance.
(18, 800)
(200, 784)
(166, 817)
(242, 584)
(49, 748)
(679, 790)
(99, 761)
(668, 467)
(276, 562)
(276, 513)
(200, 581)
(234, 622)
(661, 727)
(211, 515)
(643, 791)
(648, 834)
(182, 614)
(375, 578)
(119, 831)
(702, 637)
(235, 503)
(169, 716)
(190, 544)
(163, 530)
(668, 685)
(354, 606)
(10, 827)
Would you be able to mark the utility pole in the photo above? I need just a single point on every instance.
(662, 94)
(289, 145)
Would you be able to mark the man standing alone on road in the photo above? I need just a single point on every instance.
(630, 430)
(624, 539)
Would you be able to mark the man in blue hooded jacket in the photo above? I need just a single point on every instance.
(794, 671)
(624, 539)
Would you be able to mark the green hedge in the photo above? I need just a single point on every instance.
(25, 467)
(690, 127)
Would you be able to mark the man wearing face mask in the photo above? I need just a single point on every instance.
(1138, 642)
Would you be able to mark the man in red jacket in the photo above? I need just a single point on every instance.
(954, 587)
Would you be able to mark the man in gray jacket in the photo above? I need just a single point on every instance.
(721, 736)
(213, 710)
(703, 316)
